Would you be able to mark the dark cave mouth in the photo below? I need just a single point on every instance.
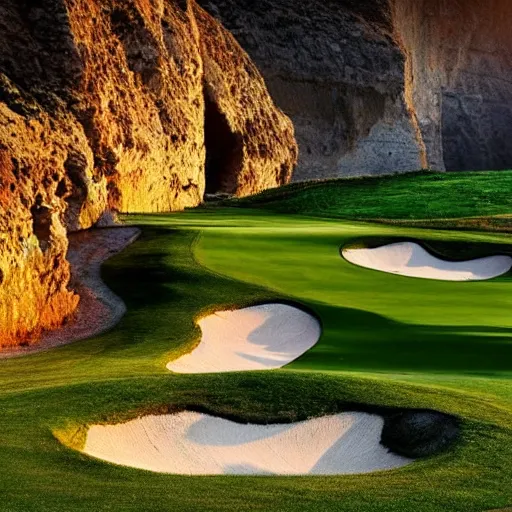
(224, 152)
(41, 222)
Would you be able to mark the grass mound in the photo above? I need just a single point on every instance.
(423, 196)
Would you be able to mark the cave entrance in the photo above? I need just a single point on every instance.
(224, 151)
(41, 222)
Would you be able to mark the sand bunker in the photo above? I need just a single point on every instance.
(256, 338)
(410, 259)
(191, 443)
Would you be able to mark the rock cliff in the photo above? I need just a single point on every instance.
(126, 105)
(335, 69)
(377, 86)
(459, 62)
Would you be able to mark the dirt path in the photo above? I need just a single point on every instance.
(99, 309)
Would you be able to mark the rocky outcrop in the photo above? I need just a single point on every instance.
(459, 57)
(380, 86)
(334, 68)
(246, 136)
(116, 105)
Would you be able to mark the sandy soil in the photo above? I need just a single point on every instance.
(410, 259)
(99, 309)
(256, 338)
(191, 443)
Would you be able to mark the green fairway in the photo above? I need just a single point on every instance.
(387, 341)
(482, 199)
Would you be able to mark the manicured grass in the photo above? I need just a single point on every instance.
(387, 341)
(429, 325)
(416, 196)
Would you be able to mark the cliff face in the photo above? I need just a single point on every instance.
(245, 134)
(381, 86)
(127, 105)
(335, 69)
(460, 59)
(145, 105)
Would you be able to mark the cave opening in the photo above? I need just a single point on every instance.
(41, 222)
(224, 152)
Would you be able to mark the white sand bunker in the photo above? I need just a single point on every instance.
(256, 338)
(410, 259)
(191, 443)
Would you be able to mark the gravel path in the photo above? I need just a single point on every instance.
(99, 309)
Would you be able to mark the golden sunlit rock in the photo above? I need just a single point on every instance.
(128, 106)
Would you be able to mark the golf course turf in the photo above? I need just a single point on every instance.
(388, 342)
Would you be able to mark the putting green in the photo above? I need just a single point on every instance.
(387, 341)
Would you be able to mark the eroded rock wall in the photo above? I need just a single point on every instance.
(379, 86)
(335, 68)
(460, 60)
(33, 242)
(263, 151)
(103, 106)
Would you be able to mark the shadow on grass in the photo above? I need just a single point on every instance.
(165, 289)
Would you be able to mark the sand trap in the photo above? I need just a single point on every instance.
(256, 338)
(191, 443)
(410, 259)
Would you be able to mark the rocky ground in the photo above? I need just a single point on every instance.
(99, 308)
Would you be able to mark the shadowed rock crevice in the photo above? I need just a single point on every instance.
(41, 222)
(76, 194)
(224, 151)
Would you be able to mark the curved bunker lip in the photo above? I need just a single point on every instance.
(261, 337)
(192, 443)
(412, 260)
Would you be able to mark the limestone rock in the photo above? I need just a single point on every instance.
(379, 86)
(114, 106)
(459, 56)
(336, 70)
(245, 134)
